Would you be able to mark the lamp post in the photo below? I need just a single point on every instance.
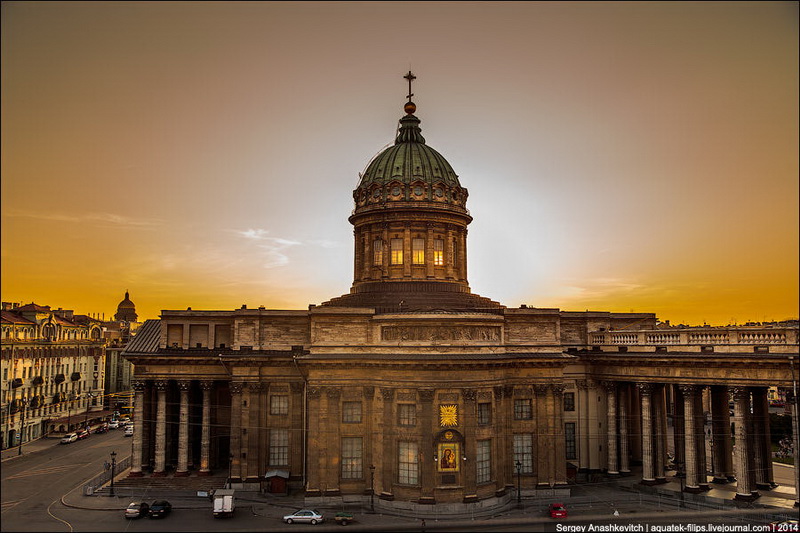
(372, 488)
(230, 466)
(24, 403)
(89, 395)
(680, 474)
(113, 468)
(519, 482)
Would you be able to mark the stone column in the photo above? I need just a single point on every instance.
(371, 453)
(427, 424)
(624, 417)
(660, 433)
(139, 387)
(679, 431)
(795, 414)
(183, 429)
(387, 465)
(700, 431)
(611, 444)
(745, 485)
(449, 260)
(583, 425)
(429, 266)
(470, 445)
(236, 388)
(543, 437)
(721, 465)
(205, 435)
(691, 437)
(648, 468)
(387, 251)
(560, 459)
(161, 429)
(596, 440)
(316, 440)
(763, 442)
(504, 452)
(333, 448)
(407, 259)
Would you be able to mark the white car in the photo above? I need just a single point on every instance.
(129, 431)
(304, 516)
(69, 438)
(113, 424)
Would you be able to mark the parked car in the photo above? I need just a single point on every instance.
(102, 428)
(129, 431)
(304, 516)
(557, 510)
(137, 510)
(83, 434)
(160, 508)
(69, 437)
(113, 424)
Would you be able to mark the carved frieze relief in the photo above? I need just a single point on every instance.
(440, 333)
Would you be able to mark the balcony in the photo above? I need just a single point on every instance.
(732, 336)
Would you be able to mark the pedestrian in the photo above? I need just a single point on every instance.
(423, 526)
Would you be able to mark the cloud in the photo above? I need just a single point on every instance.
(103, 218)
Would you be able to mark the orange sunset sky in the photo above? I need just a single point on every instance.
(619, 156)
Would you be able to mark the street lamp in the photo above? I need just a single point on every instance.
(113, 468)
(230, 466)
(372, 488)
(680, 475)
(519, 483)
(24, 402)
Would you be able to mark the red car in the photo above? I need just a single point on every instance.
(83, 434)
(557, 510)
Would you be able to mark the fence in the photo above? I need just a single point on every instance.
(104, 477)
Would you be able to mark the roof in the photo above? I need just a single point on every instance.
(11, 318)
(146, 339)
(33, 307)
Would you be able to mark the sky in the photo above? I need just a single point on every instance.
(619, 156)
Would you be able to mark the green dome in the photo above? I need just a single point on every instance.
(410, 160)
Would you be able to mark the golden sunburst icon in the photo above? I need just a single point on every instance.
(448, 415)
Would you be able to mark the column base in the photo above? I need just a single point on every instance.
(705, 487)
(649, 482)
(692, 490)
(613, 474)
(731, 479)
(720, 480)
(182, 474)
(204, 473)
(661, 480)
(624, 473)
(747, 497)
(136, 474)
(159, 474)
(766, 486)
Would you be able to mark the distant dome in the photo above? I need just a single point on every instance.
(126, 310)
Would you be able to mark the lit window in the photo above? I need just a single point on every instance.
(397, 251)
(418, 251)
(523, 452)
(484, 461)
(407, 463)
(351, 412)
(279, 447)
(438, 252)
(377, 252)
(352, 462)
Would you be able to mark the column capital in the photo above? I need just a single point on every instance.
(498, 392)
(646, 389)
(139, 385)
(294, 386)
(558, 388)
(206, 384)
(368, 392)
(426, 395)
(184, 384)
(333, 393)
(688, 389)
(237, 387)
(609, 386)
(740, 392)
(314, 392)
(469, 394)
(387, 394)
(161, 385)
(540, 389)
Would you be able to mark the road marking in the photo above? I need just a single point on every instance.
(8, 505)
(43, 471)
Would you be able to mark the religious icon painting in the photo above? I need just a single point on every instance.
(448, 456)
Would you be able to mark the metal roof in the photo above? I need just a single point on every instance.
(146, 339)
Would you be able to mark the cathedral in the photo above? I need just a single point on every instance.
(414, 393)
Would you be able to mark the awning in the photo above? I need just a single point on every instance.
(277, 473)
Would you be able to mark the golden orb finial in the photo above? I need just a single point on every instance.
(410, 107)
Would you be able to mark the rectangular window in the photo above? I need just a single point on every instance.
(377, 252)
(484, 413)
(438, 252)
(406, 414)
(351, 412)
(569, 401)
(397, 251)
(279, 447)
(569, 437)
(407, 463)
(523, 452)
(484, 461)
(522, 409)
(418, 251)
(279, 404)
(352, 461)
